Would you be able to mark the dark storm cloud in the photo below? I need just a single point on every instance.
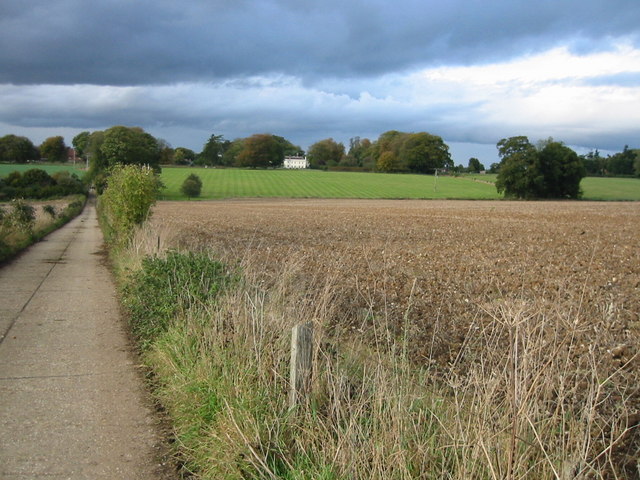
(120, 42)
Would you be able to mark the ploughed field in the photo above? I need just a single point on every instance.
(435, 272)
(537, 302)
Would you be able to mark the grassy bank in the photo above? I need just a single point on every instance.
(517, 402)
(49, 216)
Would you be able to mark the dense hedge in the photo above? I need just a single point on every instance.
(38, 184)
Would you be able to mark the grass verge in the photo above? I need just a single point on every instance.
(522, 400)
(13, 241)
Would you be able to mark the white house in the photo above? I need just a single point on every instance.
(296, 162)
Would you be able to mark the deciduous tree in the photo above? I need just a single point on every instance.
(213, 151)
(388, 163)
(130, 146)
(54, 149)
(80, 143)
(553, 171)
(17, 149)
(423, 153)
(325, 153)
(183, 156)
(260, 151)
(475, 166)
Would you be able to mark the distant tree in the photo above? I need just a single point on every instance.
(229, 157)
(325, 153)
(622, 163)
(17, 149)
(423, 153)
(54, 149)
(183, 156)
(594, 163)
(97, 161)
(213, 151)
(388, 163)
(261, 150)
(80, 143)
(192, 186)
(130, 146)
(516, 167)
(165, 152)
(288, 148)
(494, 168)
(475, 166)
(560, 172)
(553, 171)
(636, 163)
(359, 151)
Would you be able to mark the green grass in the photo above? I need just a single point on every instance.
(7, 168)
(603, 188)
(233, 183)
(595, 188)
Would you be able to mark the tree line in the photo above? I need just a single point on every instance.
(549, 169)
(393, 151)
(18, 149)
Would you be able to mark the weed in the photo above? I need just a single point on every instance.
(49, 210)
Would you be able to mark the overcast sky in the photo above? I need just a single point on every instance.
(470, 71)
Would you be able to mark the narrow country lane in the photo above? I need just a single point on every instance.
(72, 404)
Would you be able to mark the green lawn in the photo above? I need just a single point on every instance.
(603, 188)
(231, 183)
(7, 168)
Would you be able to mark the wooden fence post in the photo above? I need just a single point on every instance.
(301, 363)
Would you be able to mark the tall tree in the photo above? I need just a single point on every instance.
(621, 164)
(17, 149)
(518, 158)
(183, 156)
(388, 163)
(130, 146)
(475, 166)
(80, 143)
(423, 153)
(213, 151)
(288, 148)
(261, 150)
(553, 171)
(54, 149)
(325, 153)
(560, 171)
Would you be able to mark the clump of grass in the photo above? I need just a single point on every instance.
(525, 398)
(166, 287)
(49, 210)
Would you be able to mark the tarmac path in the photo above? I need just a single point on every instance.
(72, 401)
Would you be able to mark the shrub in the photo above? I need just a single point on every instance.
(192, 186)
(131, 192)
(49, 210)
(22, 216)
